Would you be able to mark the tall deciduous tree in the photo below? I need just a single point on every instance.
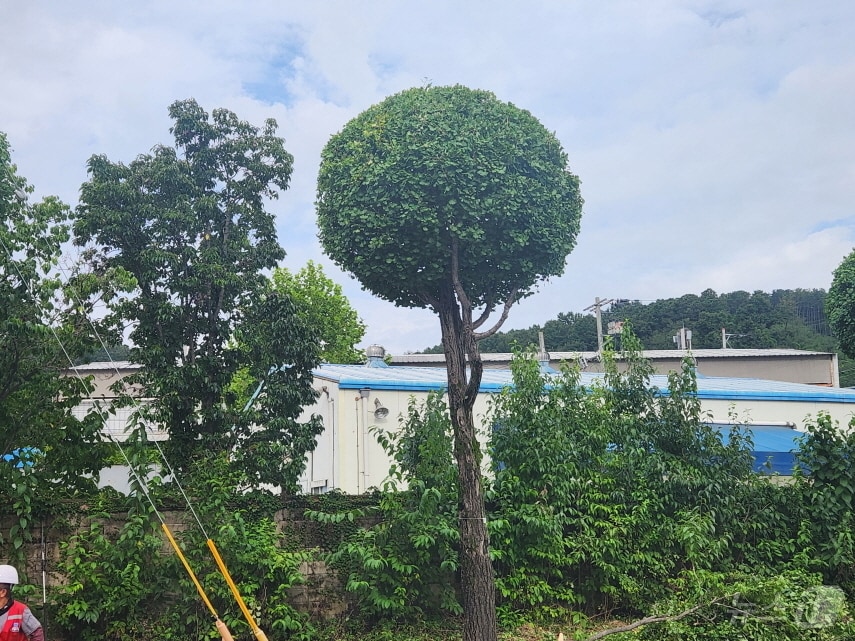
(45, 452)
(840, 304)
(449, 199)
(190, 224)
(325, 308)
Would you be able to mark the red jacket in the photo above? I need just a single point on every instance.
(12, 629)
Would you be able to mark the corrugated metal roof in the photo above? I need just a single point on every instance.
(731, 353)
(649, 354)
(415, 379)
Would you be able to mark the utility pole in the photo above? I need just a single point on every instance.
(725, 338)
(597, 307)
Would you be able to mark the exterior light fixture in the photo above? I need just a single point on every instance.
(379, 410)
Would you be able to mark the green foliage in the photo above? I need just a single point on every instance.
(188, 228)
(402, 565)
(270, 445)
(250, 545)
(111, 576)
(792, 318)
(621, 497)
(532, 495)
(46, 453)
(124, 582)
(826, 481)
(627, 487)
(440, 180)
(840, 304)
(324, 307)
(790, 605)
(784, 318)
(570, 332)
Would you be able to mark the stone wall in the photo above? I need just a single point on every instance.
(321, 596)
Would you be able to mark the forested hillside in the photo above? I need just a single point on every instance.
(793, 318)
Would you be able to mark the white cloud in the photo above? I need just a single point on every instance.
(713, 137)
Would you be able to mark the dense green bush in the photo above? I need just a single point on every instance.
(601, 494)
(613, 498)
(616, 498)
(111, 576)
(403, 565)
(826, 484)
(124, 582)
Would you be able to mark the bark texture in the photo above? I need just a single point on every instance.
(476, 568)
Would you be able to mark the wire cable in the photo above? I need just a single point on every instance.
(220, 625)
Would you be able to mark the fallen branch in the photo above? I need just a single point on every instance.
(648, 620)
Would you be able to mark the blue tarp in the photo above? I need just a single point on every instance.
(21, 457)
(775, 446)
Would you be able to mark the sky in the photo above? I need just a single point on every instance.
(714, 140)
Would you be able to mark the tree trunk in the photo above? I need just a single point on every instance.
(476, 569)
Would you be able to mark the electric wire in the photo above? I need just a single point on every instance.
(138, 408)
(259, 634)
(220, 625)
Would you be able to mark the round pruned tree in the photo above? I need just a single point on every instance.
(449, 199)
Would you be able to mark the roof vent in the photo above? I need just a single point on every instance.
(375, 354)
(543, 357)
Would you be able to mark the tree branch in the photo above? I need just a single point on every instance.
(462, 296)
(648, 620)
(489, 306)
(427, 299)
(512, 298)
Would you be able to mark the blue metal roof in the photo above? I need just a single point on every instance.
(408, 379)
(419, 379)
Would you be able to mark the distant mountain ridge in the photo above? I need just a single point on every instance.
(786, 318)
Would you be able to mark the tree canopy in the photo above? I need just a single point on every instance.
(190, 225)
(324, 307)
(45, 452)
(840, 304)
(441, 181)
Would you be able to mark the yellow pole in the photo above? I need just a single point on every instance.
(221, 627)
(259, 634)
(224, 631)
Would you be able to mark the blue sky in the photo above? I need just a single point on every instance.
(715, 141)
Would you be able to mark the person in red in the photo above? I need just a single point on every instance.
(17, 623)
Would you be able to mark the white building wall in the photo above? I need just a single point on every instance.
(772, 412)
(349, 458)
(116, 424)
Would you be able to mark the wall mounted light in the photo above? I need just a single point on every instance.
(379, 410)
